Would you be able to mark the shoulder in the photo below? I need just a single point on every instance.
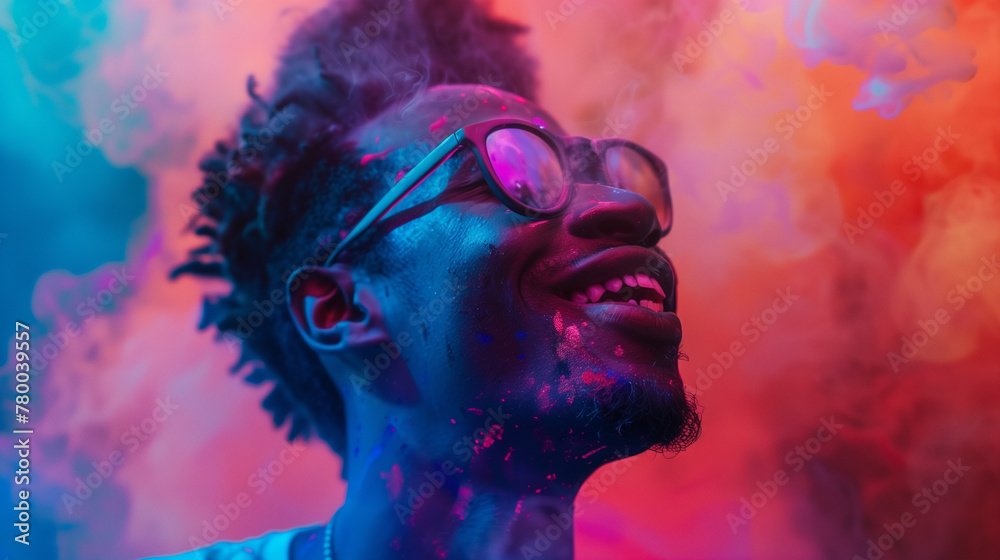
(272, 546)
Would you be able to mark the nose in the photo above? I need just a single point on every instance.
(603, 212)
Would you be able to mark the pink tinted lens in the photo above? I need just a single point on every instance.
(527, 167)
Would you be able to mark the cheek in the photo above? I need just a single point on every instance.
(437, 286)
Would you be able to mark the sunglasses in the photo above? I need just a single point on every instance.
(531, 169)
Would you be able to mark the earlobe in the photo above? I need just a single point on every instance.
(331, 312)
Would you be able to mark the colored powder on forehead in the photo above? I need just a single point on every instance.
(368, 157)
(438, 123)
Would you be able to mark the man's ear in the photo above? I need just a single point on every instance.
(331, 312)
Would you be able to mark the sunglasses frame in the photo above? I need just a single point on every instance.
(474, 136)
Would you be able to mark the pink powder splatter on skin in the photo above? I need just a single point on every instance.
(619, 351)
(590, 377)
(543, 397)
(567, 387)
(573, 335)
(492, 436)
(438, 123)
(393, 481)
(476, 411)
(461, 506)
(368, 157)
(557, 321)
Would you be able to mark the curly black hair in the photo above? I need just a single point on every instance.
(276, 195)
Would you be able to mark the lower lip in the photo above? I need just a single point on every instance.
(643, 322)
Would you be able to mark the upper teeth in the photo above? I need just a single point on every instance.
(592, 294)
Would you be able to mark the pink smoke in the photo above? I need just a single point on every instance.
(751, 89)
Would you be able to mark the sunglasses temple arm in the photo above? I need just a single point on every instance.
(410, 181)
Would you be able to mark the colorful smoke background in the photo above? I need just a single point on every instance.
(607, 68)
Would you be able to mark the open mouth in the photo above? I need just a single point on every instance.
(635, 289)
(623, 275)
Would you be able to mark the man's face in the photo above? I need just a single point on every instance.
(491, 308)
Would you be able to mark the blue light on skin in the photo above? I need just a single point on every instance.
(465, 236)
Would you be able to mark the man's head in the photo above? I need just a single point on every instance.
(453, 304)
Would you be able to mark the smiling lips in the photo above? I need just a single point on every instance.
(638, 289)
(627, 287)
(621, 276)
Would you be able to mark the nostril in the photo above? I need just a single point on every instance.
(617, 227)
(653, 238)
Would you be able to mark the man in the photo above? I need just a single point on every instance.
(471, 306)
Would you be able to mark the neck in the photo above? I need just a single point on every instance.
(478, 501)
